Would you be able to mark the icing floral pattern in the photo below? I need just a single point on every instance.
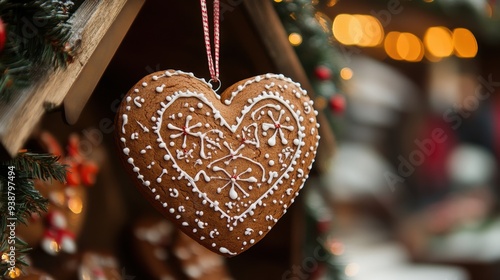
(224, 163)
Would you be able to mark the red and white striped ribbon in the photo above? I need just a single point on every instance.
(213, 65)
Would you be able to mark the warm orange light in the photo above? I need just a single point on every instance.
(341, 28)
(5, 257)
(278, 1)
(370, 31)
(362, 30)
(464, 42)
(438, 41)
(409, 47)
(54, 246)
(346, 73)
(390, 45)
(14, 273)
(75, 205)
(295, 39)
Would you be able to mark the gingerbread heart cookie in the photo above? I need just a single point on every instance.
(223, 168)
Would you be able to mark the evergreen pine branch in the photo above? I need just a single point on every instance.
(38, 35)
(40, 166)
(28, 200)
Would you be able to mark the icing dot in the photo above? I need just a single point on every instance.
(157, 197)
(200, 105)
(296, 142)
(179, 115)
(155, 78)
(266, 155)
(172, 144)
(153, 190)
(136, 90)
(153, 118)
(165, 205)
(166, 157)
(144, 84)
(271, 162)
(130, 160)
(171, 210)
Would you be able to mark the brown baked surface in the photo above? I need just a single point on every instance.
(223, 171)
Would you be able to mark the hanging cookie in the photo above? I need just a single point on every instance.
(223, 168)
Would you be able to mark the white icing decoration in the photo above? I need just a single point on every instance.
(125, 121)
(137, 101)
(230, 182)
(224, 250)
(144, 128)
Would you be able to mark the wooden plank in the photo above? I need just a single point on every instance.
(18, 118)
(91, 73)
(275, 39)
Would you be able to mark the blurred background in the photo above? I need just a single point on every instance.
(407, 186)
(414, 182)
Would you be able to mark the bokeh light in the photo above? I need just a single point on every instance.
(362, 30)
(14, 273)
(295, 39)
(346, 73)
(75, 204)
(409, 47)
(438, 41)
(390, 45)
(464, 42)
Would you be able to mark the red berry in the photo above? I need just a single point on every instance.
(3, 35)
(323, 73)
(337, 104)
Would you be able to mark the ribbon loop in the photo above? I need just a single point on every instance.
(213, 64)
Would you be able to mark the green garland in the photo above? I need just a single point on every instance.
(316, 52)
(36, 40)
(17, 187)
(322, 63)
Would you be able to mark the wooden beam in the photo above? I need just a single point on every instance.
(91, 22)
(91, 73)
